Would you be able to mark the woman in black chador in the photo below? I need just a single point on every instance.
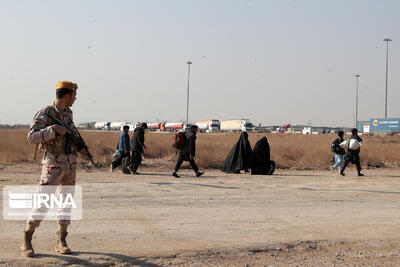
(261, 162)
(239, 158)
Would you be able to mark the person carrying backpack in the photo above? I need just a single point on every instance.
(187, 150)
(338, 152)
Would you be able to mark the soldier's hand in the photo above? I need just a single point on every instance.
(61, 130)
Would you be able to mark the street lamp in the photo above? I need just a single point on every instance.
(387, 40)
(355, 124)
(187, 100)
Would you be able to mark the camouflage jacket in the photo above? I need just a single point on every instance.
(52, 144)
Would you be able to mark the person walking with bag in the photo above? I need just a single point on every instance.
(187, 152)
(353, 152)
(338, 152)
(122, 149)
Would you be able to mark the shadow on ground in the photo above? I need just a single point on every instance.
(106, 259)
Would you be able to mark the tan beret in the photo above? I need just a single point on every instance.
(66, 85)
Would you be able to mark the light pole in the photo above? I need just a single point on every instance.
(387, 40)
(187, 100)
(355, 124)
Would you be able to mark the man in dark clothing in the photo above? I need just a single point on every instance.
(240, 156)
(138, 147)
(338, 152)
(188, 152)
(351, 155)
(261, 162)
(122, 149)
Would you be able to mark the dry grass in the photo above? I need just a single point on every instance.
(288, 151)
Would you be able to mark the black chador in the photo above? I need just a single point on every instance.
(239, 158)
(261, 162)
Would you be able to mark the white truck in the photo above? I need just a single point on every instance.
(102, 125)
(117, 125)
(209, 126)
(242, 125)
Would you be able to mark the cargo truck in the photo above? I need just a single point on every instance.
(103, 125)
(117, 125)
(153, 126)
(209, 126)
(242, 125)
(174, 126)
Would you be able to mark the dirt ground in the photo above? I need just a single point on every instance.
(293, 218)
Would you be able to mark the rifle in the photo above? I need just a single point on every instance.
(76, 137)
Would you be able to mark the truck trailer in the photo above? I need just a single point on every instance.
(117, 125)
(103, 125)
(209, 126)
(242, 125)
(173, 126)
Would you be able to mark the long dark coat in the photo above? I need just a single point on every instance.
(239, 158)
(138, 140)
(261, 161)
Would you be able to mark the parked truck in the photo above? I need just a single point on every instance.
(103, 125)
(117, 125)
(173, 126)
(242, 125)
(153, 126)
(209, 126)
(156, 126)
(262, 129)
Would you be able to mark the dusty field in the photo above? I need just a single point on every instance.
(298, 152)
(293, 218)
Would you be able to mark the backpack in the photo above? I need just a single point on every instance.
(335, 146)
(179, 140)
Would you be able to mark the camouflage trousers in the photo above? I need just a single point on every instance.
(60, 174)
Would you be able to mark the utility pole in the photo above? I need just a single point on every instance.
(387, 40)
(187, 100)
(356, 120)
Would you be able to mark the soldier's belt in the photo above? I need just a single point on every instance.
(62, 158)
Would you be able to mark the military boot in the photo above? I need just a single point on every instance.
(61, 245)
(26, 247)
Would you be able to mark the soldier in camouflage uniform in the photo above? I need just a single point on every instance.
(59, 158)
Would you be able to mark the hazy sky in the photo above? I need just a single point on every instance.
(273, 62)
